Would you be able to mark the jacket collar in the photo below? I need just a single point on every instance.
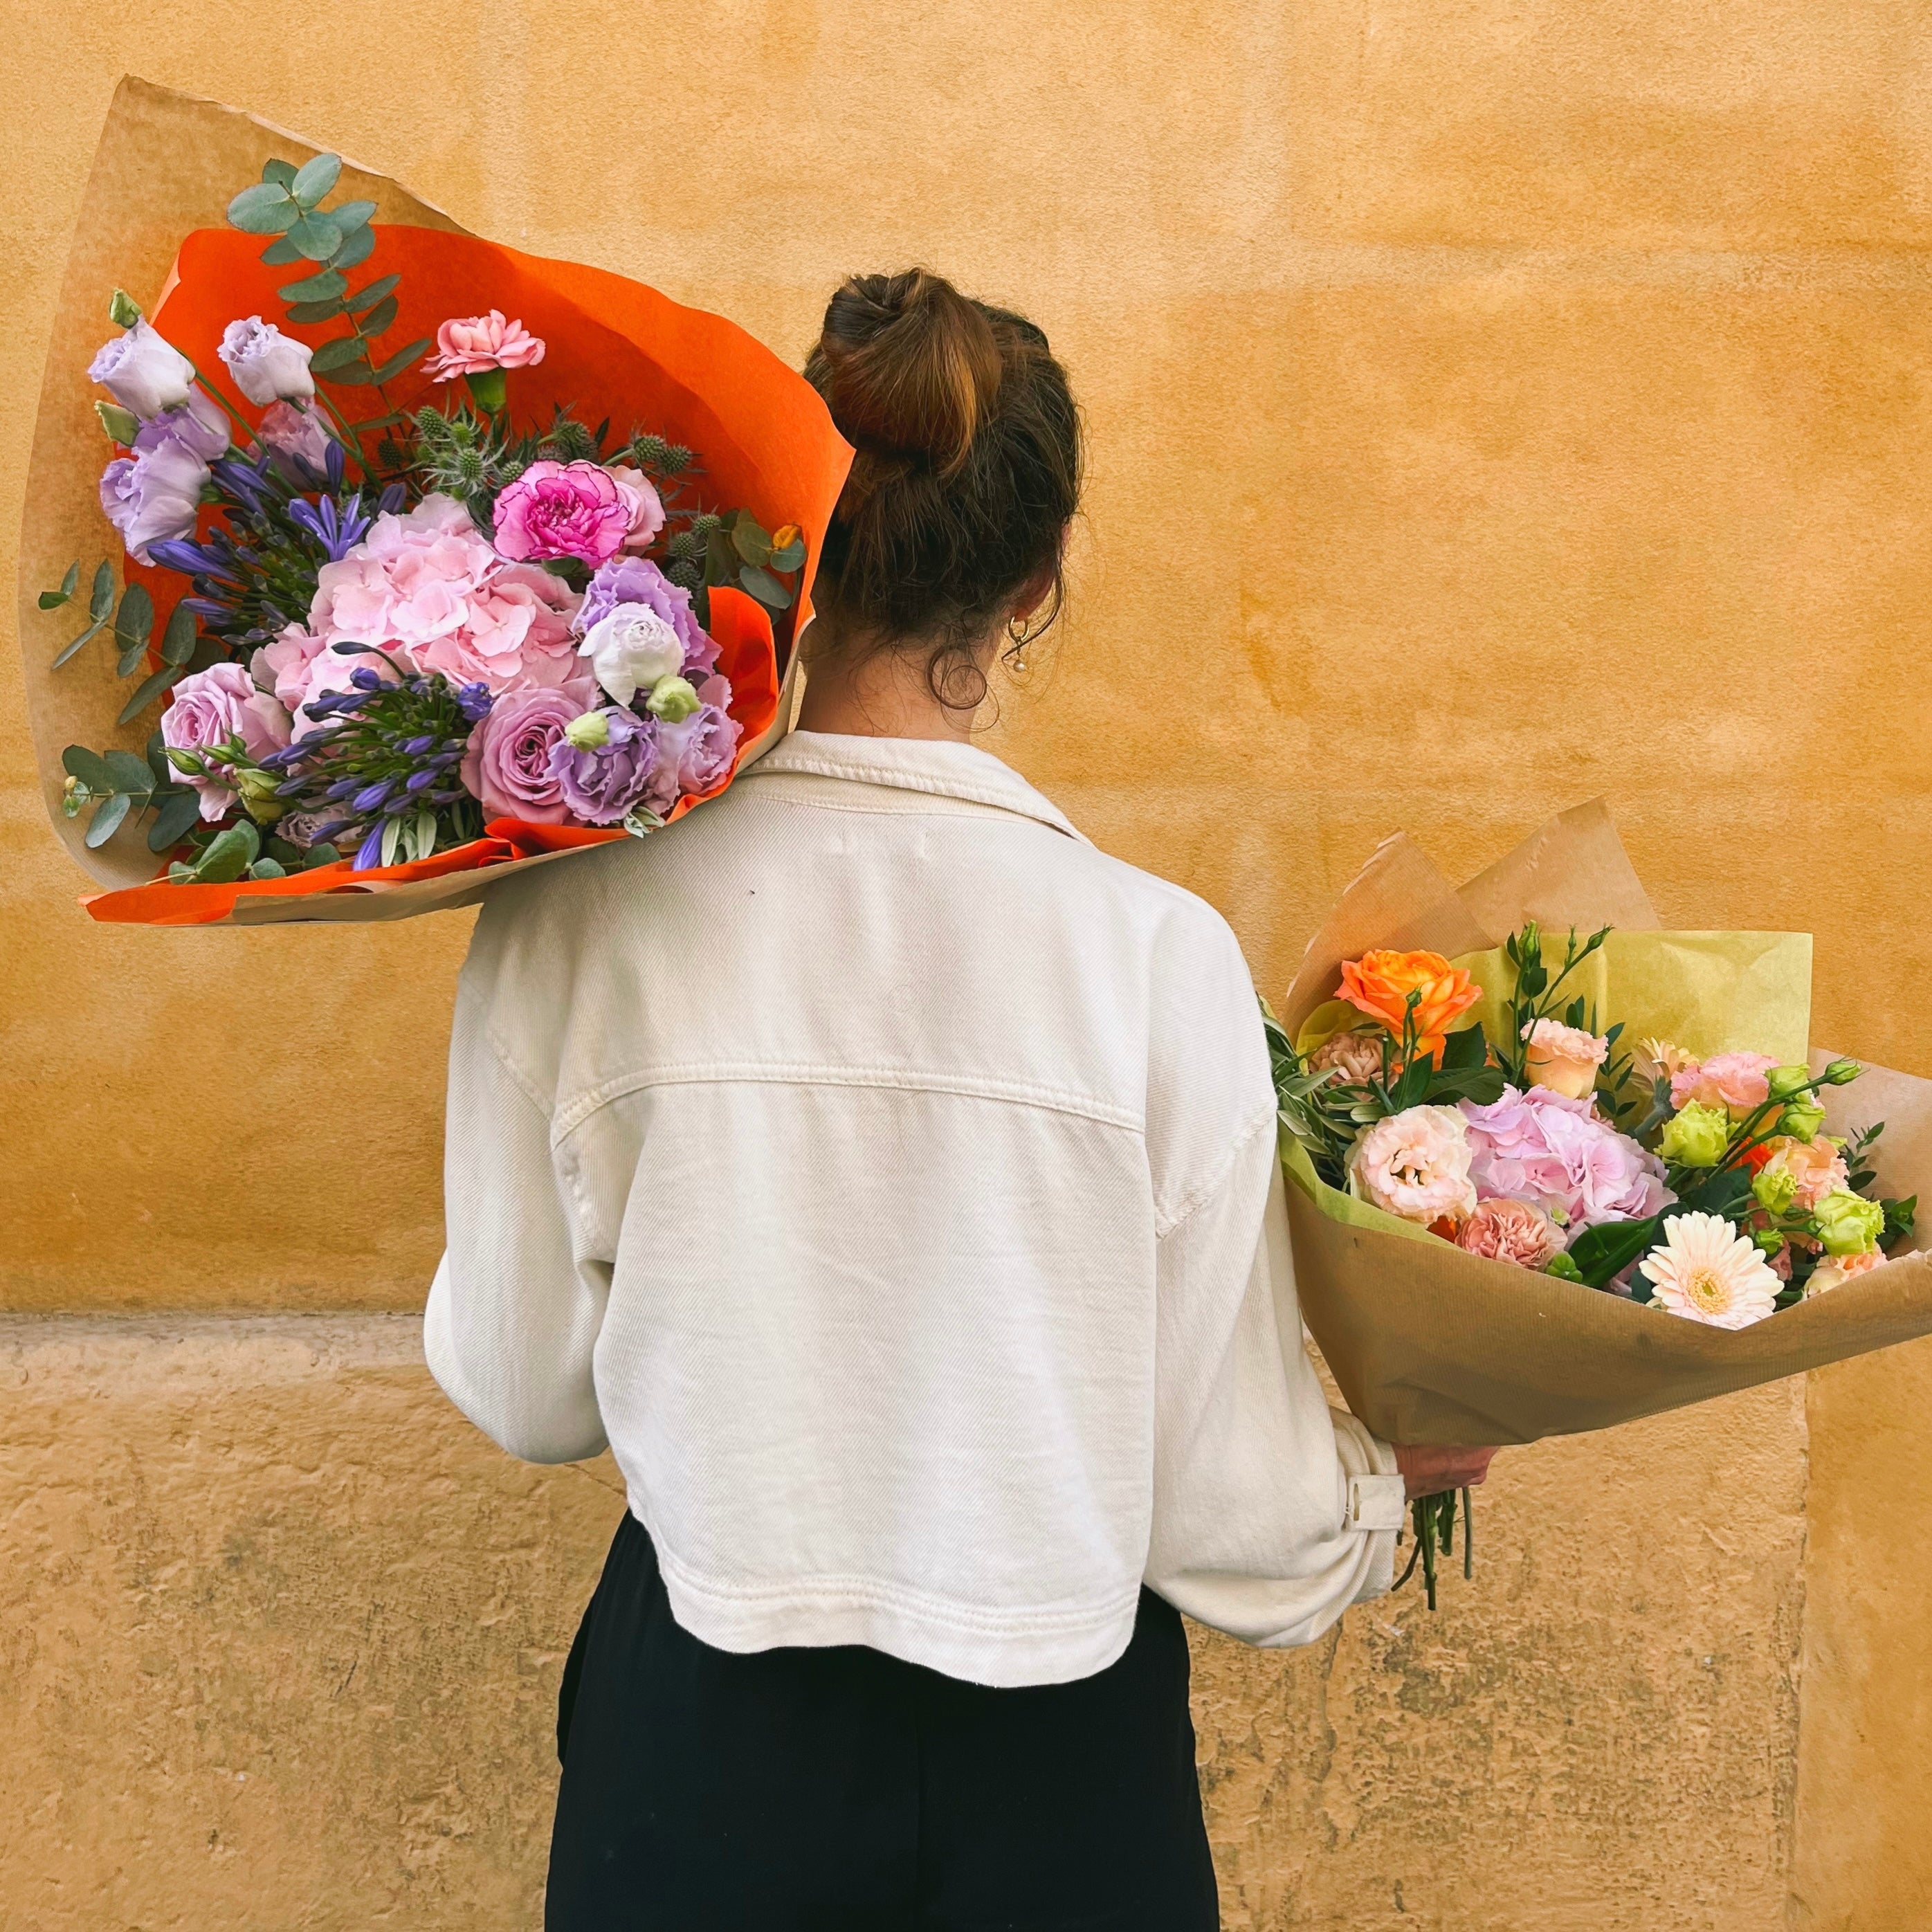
(943, 768)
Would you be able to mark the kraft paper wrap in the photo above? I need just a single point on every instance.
(151, 222)
(1428, 1344)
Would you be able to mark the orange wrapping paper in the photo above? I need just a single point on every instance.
(614, 347)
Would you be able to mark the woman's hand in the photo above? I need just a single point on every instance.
(1428, 1469)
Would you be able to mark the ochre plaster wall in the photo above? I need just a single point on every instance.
(1491, 406)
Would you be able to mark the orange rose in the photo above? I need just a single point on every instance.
(1380, 983)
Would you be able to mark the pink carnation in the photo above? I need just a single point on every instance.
(1510, 1230)
(468, 345)
(1553, 1152)
(563, 509)
(1734, 1081)
(427, 588)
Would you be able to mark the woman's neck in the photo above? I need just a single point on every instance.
(873, 693)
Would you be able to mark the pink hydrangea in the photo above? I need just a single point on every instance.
(427, 588)
(564, 509)
(1555, 1153)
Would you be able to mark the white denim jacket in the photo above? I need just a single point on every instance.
(890, 1177)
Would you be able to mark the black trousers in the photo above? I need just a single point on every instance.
(841, 1790)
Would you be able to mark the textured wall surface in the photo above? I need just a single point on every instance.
(1491, 405)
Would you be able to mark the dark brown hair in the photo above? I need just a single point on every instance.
(968, 471)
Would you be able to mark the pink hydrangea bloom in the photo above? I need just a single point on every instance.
(428, 589)
(1734, 1081)
(1553, 1152)
(468, 345)
(563, 509)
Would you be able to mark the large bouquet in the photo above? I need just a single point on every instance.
(437, 558)
(1553, 1183)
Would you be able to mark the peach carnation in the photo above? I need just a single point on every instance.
(1415, 1164)
(1738, 1082)
(1357, 1057)
(1379, 983)
(1706, 1271)
(1563, 1059)
(1510, 1230)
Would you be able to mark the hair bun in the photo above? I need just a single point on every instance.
(908, 366)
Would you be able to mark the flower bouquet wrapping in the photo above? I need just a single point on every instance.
(1552, 1168)
(426, 560)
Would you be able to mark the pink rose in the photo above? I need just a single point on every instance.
(507, 765)
(562, 509)
(1510, 1230)
(1735, 1081)
(645, 506)
(467, 346)
(210, 707)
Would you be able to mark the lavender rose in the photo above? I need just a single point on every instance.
(267, 365)
(636, 580)
(144, 371)
(209, 708)
(507, 765)
(601, 782)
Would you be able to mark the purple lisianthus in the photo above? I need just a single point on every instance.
(695, 755)
(1555, 1153)
(636, 580)
(197, 424)
(601, 783)
(154, 495)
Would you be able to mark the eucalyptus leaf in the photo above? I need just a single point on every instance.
(315, 180)
(178, 640)
(87, 766)
(178, 812)
(86, 637)
(229, 854)
(316, 236)
(136, 621)
(383, 421)
(148, 689)
(264, 209)
(750, 542)
(132, 657)
(791, 557)
(766, 588)
(348, 215)
(401, 360)
(282, 173)
(380, 317)
(100, 598)
(268, 868)
(278, 254)
(334, 354)
(324, 854)
(352, 375)
(107, 820)
(157, 763)
(331, 282)
(305, 312)
(368, 298)
(357, 246)
(51, 600)
(128, 772)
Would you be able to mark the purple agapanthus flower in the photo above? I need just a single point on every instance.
(636, 580)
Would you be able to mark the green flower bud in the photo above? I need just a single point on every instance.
(1802, 1120)
(123, 310)
(590, 732)
(1775, 1190)
(1696, 1136)
(672, 699)
(1563, 1269)
(70, 798)
(1841, 1073)
(1786, 1080)
(123, 425)
(258, 795)
(1768, 1240)
(191, 764)
(1847, 1223)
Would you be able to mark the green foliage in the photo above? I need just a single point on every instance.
(121, 786)
(51, 600)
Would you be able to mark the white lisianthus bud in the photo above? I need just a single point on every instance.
(268, 366)
(144, 371)
(632, 647)
(672, 699)
(590, 732)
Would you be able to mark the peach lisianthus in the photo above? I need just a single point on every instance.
(1515, 1231)
(1705, 1271)
(1563, 1059)
(1737, 1081)
(1415, 1164)
(1834, 1270)
(1815, 1167)
(1379, 984)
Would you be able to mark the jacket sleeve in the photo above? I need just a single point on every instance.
(517, 1304)
(1272, 1512)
